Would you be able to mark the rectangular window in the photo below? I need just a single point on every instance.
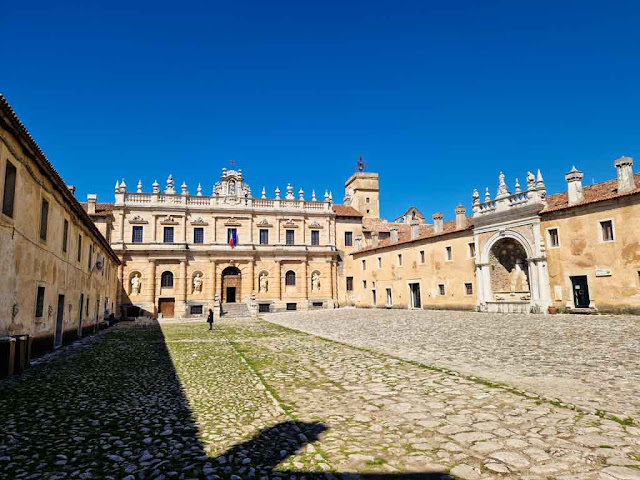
(86, 308)
(90, 257)
(264, 307)
(290, 237)
(468, 287)
(367, 200)
(9, 194)
(379, 262)
(79, 247)
(264, 236)
(232, 236)
(389, 298)
(449, 254)
(472, 250)
(421, 256)
(195, 310)
(441, 288)
(65, 235)
(364, 284)
(315, 237)
(364, 264)
(348, 239)
(40, 302)
(292, 306)
(554, 238)
(198, 235)
(349, 284)
(607, 230)
(136, 235)
(399, 259)
(44, 219)
(168, 235)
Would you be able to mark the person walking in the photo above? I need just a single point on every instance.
(210, 319)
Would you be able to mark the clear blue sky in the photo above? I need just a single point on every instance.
(437, 96)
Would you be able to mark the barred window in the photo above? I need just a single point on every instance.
(136, 236)
(198, 235)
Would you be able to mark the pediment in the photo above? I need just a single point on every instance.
(137, 220)
(199, 221)
(168, 220)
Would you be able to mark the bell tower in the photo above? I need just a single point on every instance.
(362, 192)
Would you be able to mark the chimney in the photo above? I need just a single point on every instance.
(91, 203)
(574, 186)
(394, 234)
(72, 189)
(624, 167)
(415, 229)
(461, 217)
(438, 224)
(374, 239)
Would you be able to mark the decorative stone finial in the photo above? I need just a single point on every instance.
(170, 188)
(313, 195)
(330, 196)
(123, 186)
(156, 186)
(290, 195)
(475, 196)
(518, 186)
(503, 191)
(487, 195)
(184, 188)
(264, 193)
(139, 190)
(540, 181)
(277, 193)
(326, 195)
(531, 181)
(301, 194)
(199, 194)
(117, 186)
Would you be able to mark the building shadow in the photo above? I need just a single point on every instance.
(115, 409)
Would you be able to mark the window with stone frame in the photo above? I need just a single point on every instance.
(472, 250)
(349, 284)
(44, 219)
(168, 235)
(264, 236)
(348, 239)
(606, 227)
(315, 237)
(198, 235)
(468, 288)
(9, 189)
(136, 234)
(166, 279)
(554, 238)
(441, 289)
(65, 235)
(290, 237)
(40, 302)
(79, 248)
(90, 259)
(364, 284)
(290, 278)
(449, 254)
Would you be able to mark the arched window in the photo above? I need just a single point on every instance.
(166, 280)
(290, 278)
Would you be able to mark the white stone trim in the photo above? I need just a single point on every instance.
(613, 230)
(550, 246)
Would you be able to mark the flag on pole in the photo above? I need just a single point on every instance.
(233, 237)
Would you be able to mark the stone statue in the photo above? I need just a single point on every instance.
(197, 283)
(502, 187)
(263, 282)
(518, 279)
(315, 282)
(135, 284)
(531, 181)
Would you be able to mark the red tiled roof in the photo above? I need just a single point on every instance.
(597, 192)
(102, 209)
(346, 211)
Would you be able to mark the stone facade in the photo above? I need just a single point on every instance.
(58, 274)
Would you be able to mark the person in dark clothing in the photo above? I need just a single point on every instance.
(210, 319)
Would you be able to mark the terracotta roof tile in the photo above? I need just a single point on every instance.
(346, 211)
(592, 193)
(102, 209)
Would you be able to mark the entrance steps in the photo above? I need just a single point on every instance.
(234, 310)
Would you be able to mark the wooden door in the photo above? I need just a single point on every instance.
(167, 307)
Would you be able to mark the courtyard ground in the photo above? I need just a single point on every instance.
(256, 400)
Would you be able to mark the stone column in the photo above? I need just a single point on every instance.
(211, 288)
(182, 288)
(333, 288)
(121, 230)
(278, 280)
(305, 278)
(184, 228)
(251, 279)
(121, 285)
(479, 286)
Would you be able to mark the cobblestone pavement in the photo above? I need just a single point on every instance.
(254, 400)
(592, 361)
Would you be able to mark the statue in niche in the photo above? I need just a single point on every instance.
(135, 284)
(263, 282)
(518, 278)
(197, 283)
(315, 282)
(232, 188)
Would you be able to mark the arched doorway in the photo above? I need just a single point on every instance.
(231, 282)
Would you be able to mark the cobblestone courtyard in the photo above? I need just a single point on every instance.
(255, 400)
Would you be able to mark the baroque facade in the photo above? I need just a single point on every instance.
(58, 274)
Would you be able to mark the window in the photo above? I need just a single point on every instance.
(364, 284)
(399, 259)
(554, 238)
(40, 302)
(79, 247)
(389, 298)
(472, 250)
(421, 256)
(449, 254)
(86, 308)
(607, 230)
(195, 310)
(292, 306)
(367, 200)
(349, 284)
(290, 237)
(90, 257)
(198, 235)
(166, 280)
(264, 307)
(348, 239)
(9, 194)
(315, 237)
(379, 262)
(168, 235)
(441, 289)
(364, 264)
(290, 278)
(468, 288)
(65, 235)
(44, 219)
(136, 235)
(264, 236)
(232, 236)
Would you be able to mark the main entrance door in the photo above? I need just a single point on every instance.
(415, 295)
(580, 292)
(231, 281)
(59, 321)
(166, 307)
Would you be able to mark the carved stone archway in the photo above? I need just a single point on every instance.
(231, 285)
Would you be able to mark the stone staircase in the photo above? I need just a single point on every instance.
(235, 310)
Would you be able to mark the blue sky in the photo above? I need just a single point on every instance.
(437, 96)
